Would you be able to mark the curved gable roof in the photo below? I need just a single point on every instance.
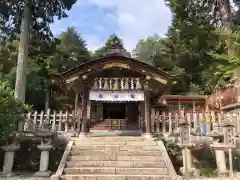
(117, 61)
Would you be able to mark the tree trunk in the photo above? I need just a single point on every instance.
(20, 85)
(226, 14)
(226, 18)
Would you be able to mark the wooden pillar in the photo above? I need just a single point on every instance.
(84, 110)
(47, 100)
(147, 108)
(142, 116)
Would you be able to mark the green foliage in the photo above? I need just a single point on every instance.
(173, 150)
(42, 12)
(11, 111)
(203, 157)
(205, 161)
(70, 52)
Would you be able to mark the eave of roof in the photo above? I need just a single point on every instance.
(183, 98)
(118, 58)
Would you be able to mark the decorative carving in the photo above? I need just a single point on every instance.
(161, 80)
(116, 64)
(116, 84)
(105, 86)
(95, 86)
(126, 84)
(116, 47)
(138, 85)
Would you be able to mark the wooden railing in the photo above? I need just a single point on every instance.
(224, 97)
(161, 122)
(51, 120)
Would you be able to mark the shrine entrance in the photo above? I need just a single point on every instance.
(121, 115)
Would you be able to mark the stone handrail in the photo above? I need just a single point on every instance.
(167, 159)
(63, 162)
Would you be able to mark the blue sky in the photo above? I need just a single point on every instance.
(131, 20)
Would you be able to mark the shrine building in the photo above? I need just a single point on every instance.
(115, 91)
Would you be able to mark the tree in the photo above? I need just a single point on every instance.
(192, 36)
(16, 15)
(70, 52)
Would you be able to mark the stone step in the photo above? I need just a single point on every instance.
(113, 170)
(77, 152)
(124, 164)
(124, 147)
(114, 157)
(132, 143)
(112, 138)
(119, 177)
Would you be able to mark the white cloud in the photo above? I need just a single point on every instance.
(93, 42)
(137, 19)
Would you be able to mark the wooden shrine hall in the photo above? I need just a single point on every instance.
(115, 91)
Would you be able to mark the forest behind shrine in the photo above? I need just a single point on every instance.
(201, 46)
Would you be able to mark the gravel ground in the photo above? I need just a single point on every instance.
(23, 176)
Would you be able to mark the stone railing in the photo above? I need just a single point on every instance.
(119, 83)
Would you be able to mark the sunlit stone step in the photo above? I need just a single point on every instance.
(113, 170)
(119, 177)
(76, 152)
(124, 164)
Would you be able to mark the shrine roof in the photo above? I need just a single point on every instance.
(183, 98)
(111, 59)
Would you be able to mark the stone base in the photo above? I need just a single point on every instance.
(82, 135)
(223, 173)
(10, 174)
(42, 174)
(192, 173)
(147, 135)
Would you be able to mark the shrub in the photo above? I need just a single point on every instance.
(11, 111)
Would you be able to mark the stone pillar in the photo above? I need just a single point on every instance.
(221, 162)
(44, 160)
(219, 152)
(9, 159)
(187, 162)
(147, 109)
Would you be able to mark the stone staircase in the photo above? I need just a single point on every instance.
(118, 158)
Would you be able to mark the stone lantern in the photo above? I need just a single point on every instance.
(186, 145)
(9, 150)
(229, 142)
(45, 136)
(219, 152)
